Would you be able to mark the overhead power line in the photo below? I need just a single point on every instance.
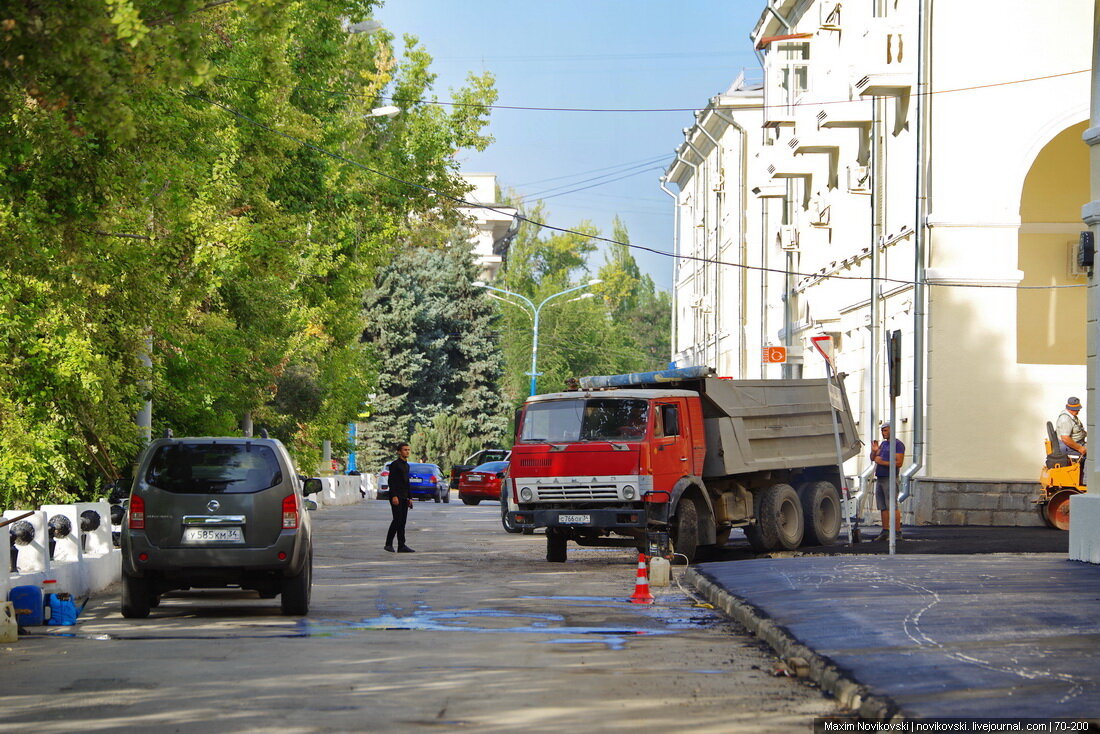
(551, 193)
(412, 101)
(599, 238)
(651, 159)
(602, 183)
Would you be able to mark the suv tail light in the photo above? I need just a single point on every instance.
(137, 513)
(290, 512)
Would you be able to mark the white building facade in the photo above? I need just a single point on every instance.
(912, 166)
(492, 225)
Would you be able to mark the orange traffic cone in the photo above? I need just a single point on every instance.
(641, 586)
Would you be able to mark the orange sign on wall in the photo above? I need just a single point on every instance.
(775, 355)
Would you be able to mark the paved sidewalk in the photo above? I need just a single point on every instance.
(1001, 635)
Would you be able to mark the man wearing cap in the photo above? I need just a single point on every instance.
(880, 455)
(1071, 433)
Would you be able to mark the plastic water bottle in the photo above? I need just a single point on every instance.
(659, 571)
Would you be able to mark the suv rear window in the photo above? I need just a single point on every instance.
(209, 468)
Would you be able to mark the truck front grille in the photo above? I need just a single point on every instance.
(578, 492)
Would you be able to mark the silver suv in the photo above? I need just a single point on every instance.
(217, 513)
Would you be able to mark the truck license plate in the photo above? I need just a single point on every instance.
(213, 535)
(574, 519)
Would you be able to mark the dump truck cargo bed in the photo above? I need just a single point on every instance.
(757, 425)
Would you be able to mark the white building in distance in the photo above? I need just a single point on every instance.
(493, 224)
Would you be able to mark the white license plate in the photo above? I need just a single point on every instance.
(473, 479)
(574, 519)
(213, 535)
(415, 480)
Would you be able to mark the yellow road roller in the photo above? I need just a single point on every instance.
(1059, 480)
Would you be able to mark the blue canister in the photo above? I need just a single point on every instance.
(62, 609)
(27, 601)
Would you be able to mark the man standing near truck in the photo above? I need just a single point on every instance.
(880, 454)
(400, 500)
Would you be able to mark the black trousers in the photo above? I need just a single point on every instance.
(397, 525)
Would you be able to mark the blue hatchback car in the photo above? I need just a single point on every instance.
(426, 482)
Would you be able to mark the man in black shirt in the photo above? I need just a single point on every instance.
(400, 501)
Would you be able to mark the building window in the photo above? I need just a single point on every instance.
(792, 60)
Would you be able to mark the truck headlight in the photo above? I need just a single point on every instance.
(628, 492)
(526, 494)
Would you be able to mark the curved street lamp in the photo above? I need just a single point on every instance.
(534, 311)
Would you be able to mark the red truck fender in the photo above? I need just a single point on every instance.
(695, 488)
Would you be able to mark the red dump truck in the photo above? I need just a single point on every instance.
(674, 460)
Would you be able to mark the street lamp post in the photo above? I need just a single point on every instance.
(535, 312)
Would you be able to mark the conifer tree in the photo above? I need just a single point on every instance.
(437, 356)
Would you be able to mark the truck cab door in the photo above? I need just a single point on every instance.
(670, 458)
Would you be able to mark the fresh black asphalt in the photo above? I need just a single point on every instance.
(961, 622)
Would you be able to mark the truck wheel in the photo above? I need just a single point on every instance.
(508, 523)
(779, 521)
(685, 529)
(555, 546)
(756, 540)
(821, 513)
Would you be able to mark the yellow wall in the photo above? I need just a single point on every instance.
(1050, 323)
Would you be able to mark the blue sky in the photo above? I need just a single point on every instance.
(587, 54)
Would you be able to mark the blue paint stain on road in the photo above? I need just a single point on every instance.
(465, 620)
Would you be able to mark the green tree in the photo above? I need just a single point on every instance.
(142, 219)
(438, 356)
(625, 330)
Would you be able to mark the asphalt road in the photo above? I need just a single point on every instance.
(475, 632)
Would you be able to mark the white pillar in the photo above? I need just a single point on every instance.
(1091, 214)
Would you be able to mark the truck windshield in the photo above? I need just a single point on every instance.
(596, 419)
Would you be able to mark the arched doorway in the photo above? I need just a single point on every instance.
(1050, 323)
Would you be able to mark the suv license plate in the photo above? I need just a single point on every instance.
(213, 535)
(574, 519)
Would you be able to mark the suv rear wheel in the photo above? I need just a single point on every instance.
(136, 597)
(296, 590)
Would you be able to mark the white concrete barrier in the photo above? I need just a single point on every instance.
(368, 483)
(83, 562)
(1084, 528)
(339, 490)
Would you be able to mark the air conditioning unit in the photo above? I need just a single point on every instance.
(1076, 270)
(788, 238)
(830, 15)
(820, 213)
(859, 179)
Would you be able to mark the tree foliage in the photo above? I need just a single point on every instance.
(625, 329)
(439, 360)
(167, 193)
